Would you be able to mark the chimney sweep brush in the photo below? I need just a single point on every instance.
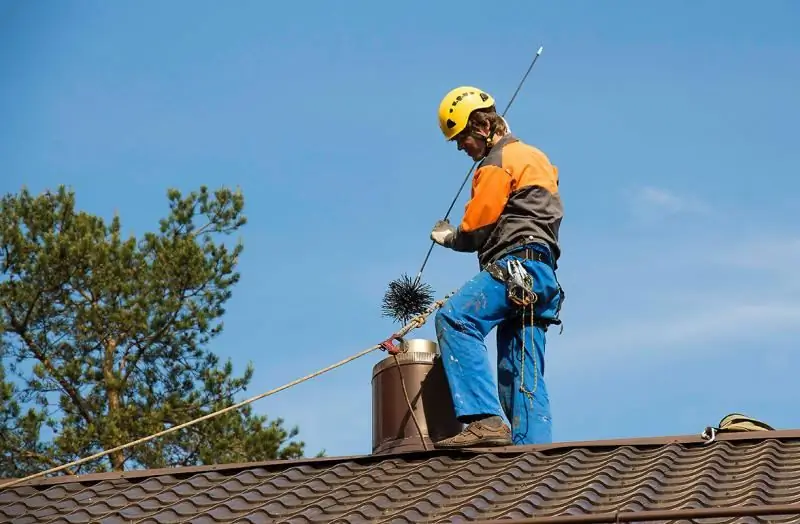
(407, 297)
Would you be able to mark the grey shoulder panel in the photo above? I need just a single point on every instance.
(495, 156)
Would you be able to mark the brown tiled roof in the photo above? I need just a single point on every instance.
(436, 486)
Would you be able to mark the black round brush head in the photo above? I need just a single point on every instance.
(406, 298)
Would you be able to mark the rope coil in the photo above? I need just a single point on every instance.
(414, 323)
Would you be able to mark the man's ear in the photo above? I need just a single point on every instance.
(484, 130)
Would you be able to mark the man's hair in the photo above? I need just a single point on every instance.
(480, 117)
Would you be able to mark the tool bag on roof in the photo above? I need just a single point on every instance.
(734, 423)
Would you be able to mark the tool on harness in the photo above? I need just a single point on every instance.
(519, 285)
(518, 282)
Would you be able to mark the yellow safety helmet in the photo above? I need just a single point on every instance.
(457, 105)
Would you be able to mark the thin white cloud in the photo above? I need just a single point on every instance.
(709, 324)
(777, 255)
(653, 202)
(721, 293)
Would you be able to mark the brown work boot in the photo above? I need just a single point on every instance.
(478, 433)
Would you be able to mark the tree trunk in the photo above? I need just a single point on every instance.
(112, 389)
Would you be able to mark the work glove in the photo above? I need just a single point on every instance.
(443, 233)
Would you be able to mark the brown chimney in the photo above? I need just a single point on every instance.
(393, 428)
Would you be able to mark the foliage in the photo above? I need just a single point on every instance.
(104, 338)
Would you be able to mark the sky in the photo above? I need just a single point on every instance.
(671, 124)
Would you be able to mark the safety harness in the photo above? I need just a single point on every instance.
(734, 423)
(519, 285)
(520, 292)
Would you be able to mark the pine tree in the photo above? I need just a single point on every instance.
(104, 338)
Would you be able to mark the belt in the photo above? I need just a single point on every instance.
(531, 254)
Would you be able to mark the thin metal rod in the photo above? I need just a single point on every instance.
(660, 514)
(466, 178)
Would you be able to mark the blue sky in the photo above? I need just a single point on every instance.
(673, 126)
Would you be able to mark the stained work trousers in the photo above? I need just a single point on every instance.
(463, 324)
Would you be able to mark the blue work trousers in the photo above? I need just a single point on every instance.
(462, 325)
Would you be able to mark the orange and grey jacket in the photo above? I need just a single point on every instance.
(514, 201)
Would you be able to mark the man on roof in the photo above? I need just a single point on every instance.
(511, 222)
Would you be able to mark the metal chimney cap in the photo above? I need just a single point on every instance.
(412, 351)
(419, 345)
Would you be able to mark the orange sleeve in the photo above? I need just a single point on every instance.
(491, 186)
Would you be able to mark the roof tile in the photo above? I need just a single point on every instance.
(433, 486)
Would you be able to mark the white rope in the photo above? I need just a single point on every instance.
(413, 324)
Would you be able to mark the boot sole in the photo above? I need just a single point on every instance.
(488, 442)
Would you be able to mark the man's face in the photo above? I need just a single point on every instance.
(474, 143)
